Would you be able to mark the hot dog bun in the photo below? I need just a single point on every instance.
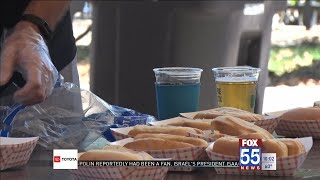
(114, 152)
(199, 124)
(274, 146)
(144, 155)
(302, 114)
(117, 148)
(294, 146)
(156, 144)
(226, 145)
(190, 140)
(229, 111)
(182, 131)
(235, 127)
(252, 136)
(230, 146)
(96, 155)
(217, 134)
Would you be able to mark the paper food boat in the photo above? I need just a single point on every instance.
(16, 152)
(120, 133)
(177, 119)
(191, 153)
(286, 166)
(205, 137)
(169, 121)
(297, 128)
(269, 123)
(121, 173)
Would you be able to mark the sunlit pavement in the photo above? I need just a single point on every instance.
(285, 97)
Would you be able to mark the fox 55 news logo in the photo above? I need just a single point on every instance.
(250, 154)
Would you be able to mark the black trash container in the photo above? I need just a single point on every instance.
(132, 38)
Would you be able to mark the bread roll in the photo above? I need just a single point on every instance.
(182, 131)
(227, 146)
(156, 144)
(199, 124)
(295, 147)
(230, 146)
(190, 140)
(274, 146)
(117, 148)
(302, 114)
(217, 134)
(97, 155)
(144, 155)
(235, 127)
(229, 111)
(252, 136)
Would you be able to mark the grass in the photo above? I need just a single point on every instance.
(287, 59)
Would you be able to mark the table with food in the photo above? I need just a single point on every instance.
(219, 140)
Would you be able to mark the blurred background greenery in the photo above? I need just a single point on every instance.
(295, 47)
(289, 58)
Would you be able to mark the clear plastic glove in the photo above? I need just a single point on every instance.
(24, 50)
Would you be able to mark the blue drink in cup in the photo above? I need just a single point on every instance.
(177, 90)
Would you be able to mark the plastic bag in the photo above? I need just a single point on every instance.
(69, 118)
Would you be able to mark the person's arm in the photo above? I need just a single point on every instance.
(26, 51)
(50, 11)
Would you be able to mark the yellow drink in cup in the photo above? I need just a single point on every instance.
(236, 86)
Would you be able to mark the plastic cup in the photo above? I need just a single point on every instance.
(177, 90)
(236, 86)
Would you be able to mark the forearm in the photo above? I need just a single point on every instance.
(50, 11)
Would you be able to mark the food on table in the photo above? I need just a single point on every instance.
(199, 124)
(165, 129)
(114, 153)
(282, 147)
(217, 134)
(295, 147)
(252, 136)
(227, 146)
(229, 111)
(235, 127)
(156, 144)
(302, 114)
(274, 146)
(190, 140)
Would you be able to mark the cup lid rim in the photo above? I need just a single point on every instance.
(236, 69)
(169, 69)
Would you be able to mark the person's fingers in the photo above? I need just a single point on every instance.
(34, 90)
(47, 79)
(7, 64)
(34, 96)
(29, 54)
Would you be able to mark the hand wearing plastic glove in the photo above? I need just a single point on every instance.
(25, 50)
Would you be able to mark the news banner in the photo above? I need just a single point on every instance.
(161, 163)
(250, 151)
